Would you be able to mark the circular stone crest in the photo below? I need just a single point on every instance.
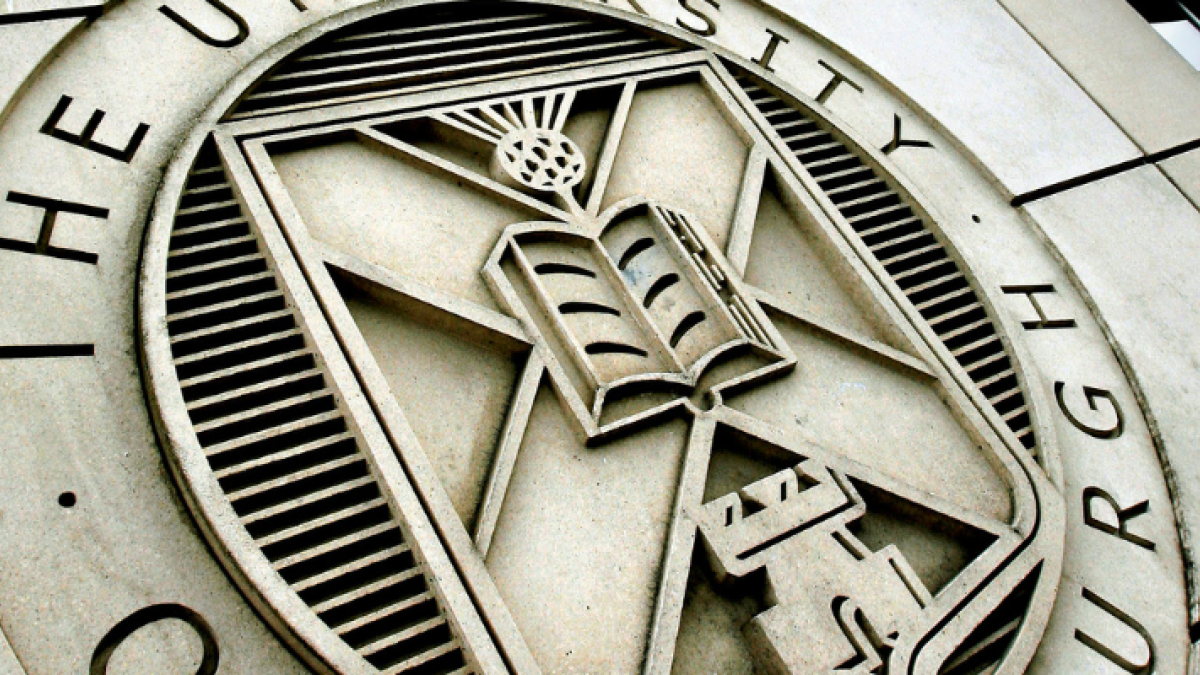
(426, 345)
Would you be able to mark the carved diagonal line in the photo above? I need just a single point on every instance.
(463, 316)
(608, 151)
(408, 152)
(904, 361)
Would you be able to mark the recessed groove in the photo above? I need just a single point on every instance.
(564, 268)
(377, 54)
(685, 325)
(900, 233)
(205, 208)
(934, 287)
(224, 250)
(174, 319)
(216, 193)
(1015, 413)
(844, 192)
(922, 273)
(986, 367)
(958, 332)
(370, 600)
(264, 370)
(407, 634)
(438, 26)
(899, 241)
(208, 213)
(200, 189)
(225, 293)
(818, 152)
(422, 55)
(997, 384)
(794, 125)
(269, 325)
(350, 594)
(236, 317)
(209, 234)
(382, 613)
(823, 157)
(305, 500)
(232, 477)
(809, 140)
(871, 202)
(1026, 437)
(950, 295)
(945, 320)
(982, 365)
(182, 252)
(183, 233)
(587, 308)
(889, 228)
(391, 554)
(199, 173)
(597, 348)
(785, 118)
(289, 388)
(217, 286)
(421, 657)
(393, 627)
(915, 258)
(269, 358)
(975, 334)
(1018, 419)
(400, 77)
(483, 72)
(234, 419)
(318, 509)
(873, 218)
(636, 248)
(780, 111)
(323, 528)
(829, 165)
(1006, 399)
(303, 408)
(967, 316)
(304, 379)
(225, 330)
(838, 178)
(180, 272)
(239, 353)
(293, 480)
(335, 544)
(220, 271)
(660, 285)
(983, 344)
(911, 254)
(271, 434)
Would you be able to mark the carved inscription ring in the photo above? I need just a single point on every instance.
(488, 337)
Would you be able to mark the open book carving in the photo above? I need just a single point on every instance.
(640, 316)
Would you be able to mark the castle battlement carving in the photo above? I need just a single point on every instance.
(834, 605)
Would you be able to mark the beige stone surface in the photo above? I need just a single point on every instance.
(1184, 171)
(1131, 242)
(24, 49)
(9, 665)
(982, 78)
(1147, 88)
(606, 370)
